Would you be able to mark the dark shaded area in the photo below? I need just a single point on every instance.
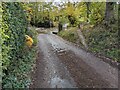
(44, 23)
(71, 19)
(54, 32)
(60, 26)
(109, 13)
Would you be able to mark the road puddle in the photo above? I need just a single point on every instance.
(57, 82)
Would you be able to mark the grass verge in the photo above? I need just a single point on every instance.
(100, 40)
(70, 35)
(103, 40)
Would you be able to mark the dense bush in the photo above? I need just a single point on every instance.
(70, 35)
(46, 23)
(17, 59)
(3, 48)
(103, 40)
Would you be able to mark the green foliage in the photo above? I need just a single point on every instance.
(100, 39)
(1, 41)
(17, 58)
(70, 35)
(97, 12)
(78, 12)
(42, 14)
(63, 20)
(4, 58)
(103, 41)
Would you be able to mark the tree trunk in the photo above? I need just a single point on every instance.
(109, 12)
(88, 10)
(59, 27)
(119, 24)
(82, 38)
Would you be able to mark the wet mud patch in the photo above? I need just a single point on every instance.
(83, 74)
(38, 72)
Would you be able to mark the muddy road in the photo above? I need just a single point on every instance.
(62, 65)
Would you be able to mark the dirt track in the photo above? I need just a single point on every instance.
(62, 65)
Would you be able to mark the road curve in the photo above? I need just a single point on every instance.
(62, 65)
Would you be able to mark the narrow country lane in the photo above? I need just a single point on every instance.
(62, 65)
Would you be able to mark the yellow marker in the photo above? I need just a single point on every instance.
(29, 41)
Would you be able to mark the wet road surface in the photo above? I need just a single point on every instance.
(62, 65)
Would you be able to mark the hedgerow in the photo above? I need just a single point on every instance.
(16, 57)
(4, 61)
